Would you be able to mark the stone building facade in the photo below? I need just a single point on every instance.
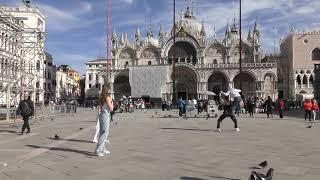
(300, 51)
(145, 65)
(22, 56)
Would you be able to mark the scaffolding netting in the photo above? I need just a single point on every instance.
(147, 80)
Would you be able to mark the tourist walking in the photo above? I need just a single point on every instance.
(26, 110)
(227, 112)
(251, 106)
(281, 107)
(315, 109)
(268, 105)
(181, 106)
(307, 105)
(105, 108)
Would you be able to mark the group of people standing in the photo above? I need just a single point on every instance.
(310, 107)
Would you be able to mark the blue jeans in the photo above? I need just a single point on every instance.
(234, 104)
(104, 121)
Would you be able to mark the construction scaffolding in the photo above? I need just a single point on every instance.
(21, 59)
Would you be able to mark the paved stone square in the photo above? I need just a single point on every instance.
(146, 145)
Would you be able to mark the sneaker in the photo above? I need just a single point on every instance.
(106, 152)
(237, 129)
(107, 141)
(100, 154)
(218, 130)
(95, 141)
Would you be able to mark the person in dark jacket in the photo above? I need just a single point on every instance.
(228, 112)
(250, 105)
(268, 105)
(26, 110)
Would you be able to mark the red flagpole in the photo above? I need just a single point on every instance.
(108, 39)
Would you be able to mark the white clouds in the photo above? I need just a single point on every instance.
(64, 20)
(76, 61)
(127, 1)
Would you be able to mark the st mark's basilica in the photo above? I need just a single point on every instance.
(144, 67)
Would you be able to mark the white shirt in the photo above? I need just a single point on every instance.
(232, 92)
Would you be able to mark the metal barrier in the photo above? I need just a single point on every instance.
(62, 110)
(41, 113)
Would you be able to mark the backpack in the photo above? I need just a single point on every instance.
(25, 109)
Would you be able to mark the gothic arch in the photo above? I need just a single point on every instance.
(218, 72)
(126, 53)
(216, 46)
(214, 51)
(186, 82)
(271, 74)
(188, 39)
(149, 52)
(246, 82)
(316, 54)
(252, 75)
(217, 81)
(187, 65)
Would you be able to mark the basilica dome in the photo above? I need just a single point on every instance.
(151, 40)
(190, 25)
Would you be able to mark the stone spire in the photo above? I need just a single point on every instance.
(202, 32)
(126, 40)
(249, 38)
(214, 33)
(227, 29)
(137, 35)
(234, 28)
(122, 39)
(161, 31)
(256, 29)
(114, 34)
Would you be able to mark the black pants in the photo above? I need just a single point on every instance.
(224, 115)
(281, 113)
(305, 116)
(269, 112)
(25, 124)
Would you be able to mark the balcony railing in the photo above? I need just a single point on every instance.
(200, 66)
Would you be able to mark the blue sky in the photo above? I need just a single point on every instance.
(77, 28)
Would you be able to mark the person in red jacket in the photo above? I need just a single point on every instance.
(281, 107)
(315, 109)
(307, 105)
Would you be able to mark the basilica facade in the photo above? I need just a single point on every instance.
(144, 67)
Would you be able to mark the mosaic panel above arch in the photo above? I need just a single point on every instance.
(126, 54)
(150, 53)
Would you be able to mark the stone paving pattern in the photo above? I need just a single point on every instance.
(145, 145)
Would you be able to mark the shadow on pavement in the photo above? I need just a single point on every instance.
(191, 178)
(187, 129)
(215, 177)
(87, 153)
(225, 178)
(74, 140)
(8, 131)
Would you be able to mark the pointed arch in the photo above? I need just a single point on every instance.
(316, 54)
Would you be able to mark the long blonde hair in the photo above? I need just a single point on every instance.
(104, 94)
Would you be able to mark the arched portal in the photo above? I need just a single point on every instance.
(246, 83)
(184, 51)
(121, 87)
(217, 82)
(186, 83)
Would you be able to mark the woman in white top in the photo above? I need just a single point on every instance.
(105, 108)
